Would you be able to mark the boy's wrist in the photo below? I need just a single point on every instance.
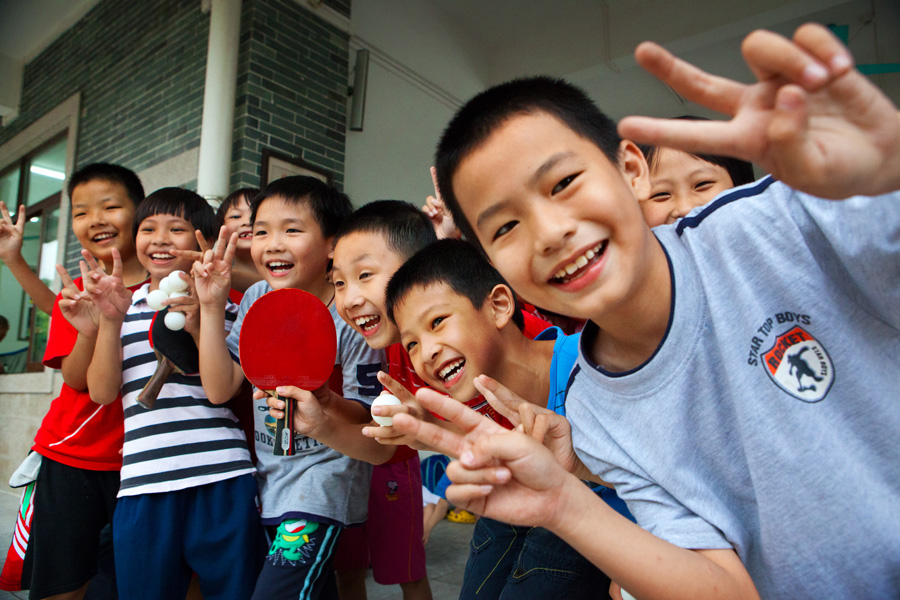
(574, 499)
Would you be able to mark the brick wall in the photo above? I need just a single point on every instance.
(292, 89)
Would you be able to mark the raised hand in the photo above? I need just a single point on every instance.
(811, 119)
(11, 234)
(212, 274)
(310, 417)
(543, 425)
(107, 292)
(438, 214)
(76, 307)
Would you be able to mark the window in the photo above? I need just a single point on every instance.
(37, 182)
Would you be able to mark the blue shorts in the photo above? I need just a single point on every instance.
(213, 530)
(527, 563)
(299, 563)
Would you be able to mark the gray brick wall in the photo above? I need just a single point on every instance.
(292, 89)
(140, 69)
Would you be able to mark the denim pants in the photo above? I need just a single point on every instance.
(524, 563)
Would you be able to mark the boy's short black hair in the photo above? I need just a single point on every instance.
(329, 205)
(186, 204)
(232, 199)
(486, 112)
(404, 226)
(112, 174)
(740, 171)
(456, 263)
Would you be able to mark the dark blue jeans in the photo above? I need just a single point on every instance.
(524, 563)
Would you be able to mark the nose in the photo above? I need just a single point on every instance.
(350, 296)
(682, 205)
(98, 218)
(552, 229)
(430, 349)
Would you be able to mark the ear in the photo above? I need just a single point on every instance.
(502, 304)
(634, 169)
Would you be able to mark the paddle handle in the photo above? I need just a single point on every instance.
(284, 434)
(147, 397)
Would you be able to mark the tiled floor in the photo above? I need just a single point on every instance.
(446, 555)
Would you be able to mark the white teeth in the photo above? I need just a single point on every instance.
(277, 264)
(579, 262)
(451, 368)
(370, 320)
(161, 256)
(103, 236)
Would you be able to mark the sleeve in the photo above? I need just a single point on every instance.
(359, 364)
(234, 318)
(857, 242)
(62, 336)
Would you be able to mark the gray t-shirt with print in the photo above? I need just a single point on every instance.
(768, 420)
(317, 482)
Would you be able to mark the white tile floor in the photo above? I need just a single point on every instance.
(446, 555)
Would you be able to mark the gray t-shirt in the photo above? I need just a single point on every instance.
(317, 483)
(768, 420)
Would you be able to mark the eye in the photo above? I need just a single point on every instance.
(703, 185)
(338, 283)
(364, 275)
(505, 228)
(259, 233)
(563, 184)
(410, 346)
(234, 216)
(294, 230)
(661, 196)
(76, 215)
(437, 321)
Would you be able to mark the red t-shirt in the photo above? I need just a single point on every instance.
(401, 370)
(77, 431)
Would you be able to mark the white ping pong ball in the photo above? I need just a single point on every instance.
(166, 284)
(626, 595)
(175, 320)
(176, 283)
(385, 400)
(178, 295)
(156, 298)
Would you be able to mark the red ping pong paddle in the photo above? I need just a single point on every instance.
(175, 351)
(287, 338)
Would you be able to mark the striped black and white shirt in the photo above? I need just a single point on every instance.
(184, 441)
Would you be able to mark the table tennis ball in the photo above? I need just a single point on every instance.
(176, 283)
(178, 295)
(175, 320)
(626, 595)
(166, 285)
(156, 298)
(385, 400)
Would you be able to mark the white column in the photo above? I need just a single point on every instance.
(214, 169)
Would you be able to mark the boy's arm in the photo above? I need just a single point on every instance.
(11, 237)
(220, 375)
(111, 299)
(812, 120)
(79, 312)
(511, 477)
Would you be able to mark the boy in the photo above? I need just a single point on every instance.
(371, 244)
(78, 441)
(458, 318)
(310, 496)
(705, 389)
(187, 498)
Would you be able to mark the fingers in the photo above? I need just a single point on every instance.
(4, 213)
(396, 388)
(202, 242)
(437, 190)
(502, 399)
(433, 436)
(718, 93)
(230, 248)
(190, 254)
(492, 475)
(813, 58)
(452, 410)
(66, 279)
(117, 263)
(90, 260)
(704, 137)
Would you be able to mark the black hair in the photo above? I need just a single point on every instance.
(404, 227)
(233, 198)
(481, 116)
(109, 173)
(456, 263)
(183, 203)
(740, 171)
(329, 205)
(4, 322)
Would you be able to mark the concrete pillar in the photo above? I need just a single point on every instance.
(214, 169)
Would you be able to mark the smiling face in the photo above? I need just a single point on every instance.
(102, 217)
(363, 265)
(449, 341)
(157, 236)
(558, 220)
(679, 183)
(288, 248)
(237, 220)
